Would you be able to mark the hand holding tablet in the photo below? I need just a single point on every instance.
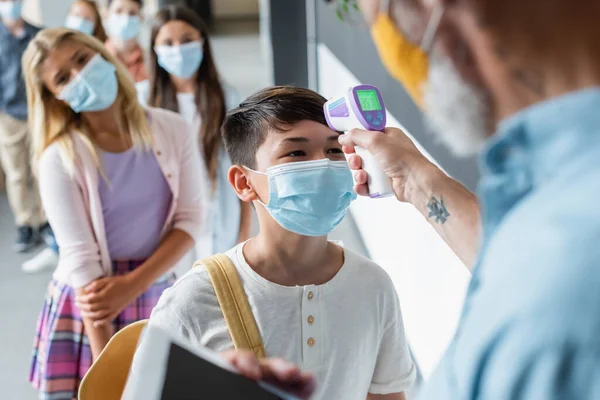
(170, 369)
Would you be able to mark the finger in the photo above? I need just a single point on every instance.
(280, 370)
(229, 356)
(245, 362)
(90, 298)
(97, 285)
(361, 190)
(95, 315)
(306, 386)
(359, 137)
(288, 377)
(355, 162)
(88, 307)
(348, 149)
(361, 177)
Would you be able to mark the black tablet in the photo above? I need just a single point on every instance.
(167, 368)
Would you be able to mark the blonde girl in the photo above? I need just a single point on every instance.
(120, 185)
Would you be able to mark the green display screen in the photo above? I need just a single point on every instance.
(368, 100)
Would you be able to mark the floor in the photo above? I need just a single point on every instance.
(21, 299)
(237, 51)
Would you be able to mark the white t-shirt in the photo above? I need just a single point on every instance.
(188, 110)
(355, 343)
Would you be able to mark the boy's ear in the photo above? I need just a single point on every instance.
(239, 179)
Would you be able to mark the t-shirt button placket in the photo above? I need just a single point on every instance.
(311, 329)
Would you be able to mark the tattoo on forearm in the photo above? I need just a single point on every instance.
(438, 210)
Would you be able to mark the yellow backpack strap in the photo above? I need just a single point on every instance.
(234, 303)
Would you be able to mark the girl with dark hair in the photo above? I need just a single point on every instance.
(183, 78)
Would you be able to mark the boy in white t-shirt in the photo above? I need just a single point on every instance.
(323, 307)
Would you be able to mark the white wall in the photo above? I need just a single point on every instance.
(430, 279)
(54, 12)
(235, 8)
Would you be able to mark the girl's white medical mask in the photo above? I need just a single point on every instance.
(309, 198)
(77, 23)
(182, 61)
(123, 27)
(11, 10)
(95, 88)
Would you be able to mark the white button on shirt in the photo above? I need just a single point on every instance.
(353, 344)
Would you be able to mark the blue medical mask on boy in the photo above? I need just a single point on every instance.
(11, 10)
(77, 23)
(181, 61)
(95, 88)
(309, 198)
(123, 27)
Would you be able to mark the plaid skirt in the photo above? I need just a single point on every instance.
(61, 350)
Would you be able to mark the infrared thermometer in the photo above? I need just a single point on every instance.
(362, 107)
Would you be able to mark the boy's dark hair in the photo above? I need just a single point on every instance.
(273, 109)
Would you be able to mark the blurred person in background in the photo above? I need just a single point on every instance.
(22, 190)
(100, 157)
(123, 25)
(84, 16)
(184, 79)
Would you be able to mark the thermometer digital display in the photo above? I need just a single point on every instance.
(368, 100)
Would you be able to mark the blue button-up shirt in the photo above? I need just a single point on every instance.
(13, 97)
(530, 327)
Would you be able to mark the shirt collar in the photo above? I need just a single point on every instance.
(543, 137)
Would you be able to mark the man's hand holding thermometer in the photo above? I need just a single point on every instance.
(362, 107)
(385, 160)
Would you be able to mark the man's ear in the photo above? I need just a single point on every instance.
(239, 179)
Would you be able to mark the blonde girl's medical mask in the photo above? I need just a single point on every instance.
(95, 88)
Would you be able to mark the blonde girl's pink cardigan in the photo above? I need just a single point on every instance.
(72, 201)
